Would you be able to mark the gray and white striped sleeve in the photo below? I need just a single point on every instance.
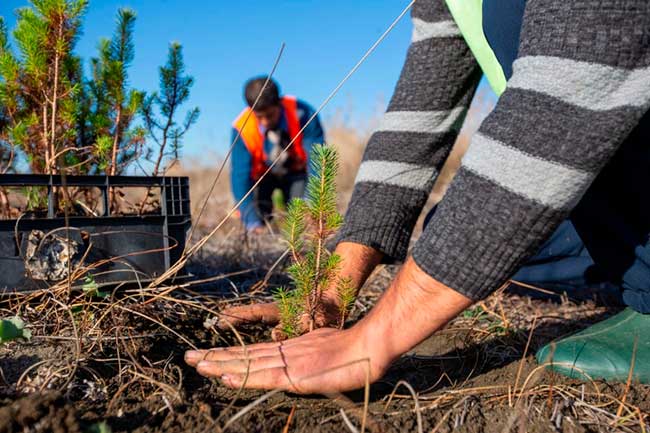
(404, 154)
(580, 85)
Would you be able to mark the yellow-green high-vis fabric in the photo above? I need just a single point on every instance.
(468, 15)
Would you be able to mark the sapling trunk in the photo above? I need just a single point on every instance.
(166, 130)
(309, 223)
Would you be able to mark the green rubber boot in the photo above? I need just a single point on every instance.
(604, 350)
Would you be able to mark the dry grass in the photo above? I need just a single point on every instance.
(123, 355)
(349, 140)
(349, 137)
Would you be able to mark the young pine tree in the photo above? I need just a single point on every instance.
(113, 106)
(7, 106)
(39, 86)
(164, 128)
(59, 121)
(309, 223)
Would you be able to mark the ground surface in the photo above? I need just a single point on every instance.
(122, 364)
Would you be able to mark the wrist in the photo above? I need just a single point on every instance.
(357, 263)
(377, 341)
(413, 307)
(368, 345)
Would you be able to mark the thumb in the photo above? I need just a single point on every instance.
(268, 314)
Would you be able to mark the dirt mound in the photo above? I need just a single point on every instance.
(46, 412)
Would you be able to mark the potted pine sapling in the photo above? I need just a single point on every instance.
(87, 134)
(309, 223)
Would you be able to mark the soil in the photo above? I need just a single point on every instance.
(467, 377)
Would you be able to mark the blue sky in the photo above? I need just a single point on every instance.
(226, 42)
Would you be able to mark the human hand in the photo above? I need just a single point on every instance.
(358, 261)
(269, 314)
(329, 360)
(323, 361)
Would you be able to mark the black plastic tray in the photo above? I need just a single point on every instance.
(132, 248)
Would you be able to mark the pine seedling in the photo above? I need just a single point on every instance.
(160, 111)
(39, 86)
(56, 119)
(347, 295)
(112, 106)
(289, 304)
(309, 223)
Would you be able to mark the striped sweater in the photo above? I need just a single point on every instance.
(580, 84)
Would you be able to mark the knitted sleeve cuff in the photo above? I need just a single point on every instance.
(480, 235)
(382, 217)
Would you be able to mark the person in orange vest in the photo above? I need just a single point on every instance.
(260, 136)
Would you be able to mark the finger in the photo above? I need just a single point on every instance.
(192, 357)
(221, 355)
(250, 347)
(238, 366)
(263, 313)
(308, 339)
(269, 378)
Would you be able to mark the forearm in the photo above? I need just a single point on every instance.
(312, 135)
(241, 183)
(406, 152)
(414, 307)
(358, 262)
(566, 110)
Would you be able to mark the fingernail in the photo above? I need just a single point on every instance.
(191, 356)
(202, 368)
(227, 380)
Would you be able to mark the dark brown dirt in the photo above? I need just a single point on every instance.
(46, 412)
(468, 377)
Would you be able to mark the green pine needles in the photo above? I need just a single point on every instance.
(309, 223)
(58, 119)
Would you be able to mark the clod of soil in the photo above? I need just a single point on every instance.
(47, 412)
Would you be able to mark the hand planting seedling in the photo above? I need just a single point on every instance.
(309, 223)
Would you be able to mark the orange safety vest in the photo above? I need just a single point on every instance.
(254, 139)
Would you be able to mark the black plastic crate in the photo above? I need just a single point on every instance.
(133, 248)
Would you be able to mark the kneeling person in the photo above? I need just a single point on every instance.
(261, 136)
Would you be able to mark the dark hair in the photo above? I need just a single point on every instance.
(269, 98)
